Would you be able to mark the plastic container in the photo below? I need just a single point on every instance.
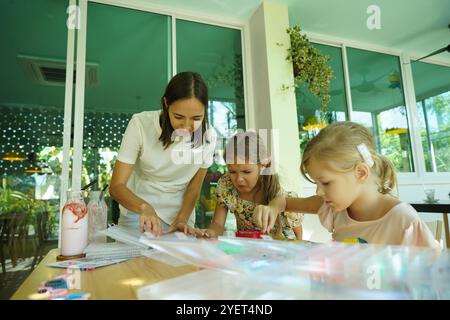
(98, 217)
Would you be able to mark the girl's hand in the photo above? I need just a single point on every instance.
(205, 233)
(265, 217)
(149, 221)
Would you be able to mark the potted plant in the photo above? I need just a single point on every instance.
(215, 171)
(310, 66)
(12, 201)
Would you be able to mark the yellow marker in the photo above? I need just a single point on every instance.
(351, 240)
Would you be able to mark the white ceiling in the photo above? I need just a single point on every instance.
(414, 26)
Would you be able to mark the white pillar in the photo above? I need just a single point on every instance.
(274, 108)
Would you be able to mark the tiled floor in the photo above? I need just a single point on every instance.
(10, 282)
(14, 276)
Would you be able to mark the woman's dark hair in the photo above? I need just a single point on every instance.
(184, 85)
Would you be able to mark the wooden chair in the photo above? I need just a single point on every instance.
(13, 232)
(436, 229)
(3, 221)
(42, 237)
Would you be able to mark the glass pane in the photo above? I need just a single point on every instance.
(32, 60)
(378, 103)
(128, 67)
(432, 88)
(220, 64)
(308, 105)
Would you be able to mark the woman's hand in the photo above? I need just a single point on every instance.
(149, 221)
(205, 233)
(179, 225)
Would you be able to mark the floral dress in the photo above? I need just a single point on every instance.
(244, 209)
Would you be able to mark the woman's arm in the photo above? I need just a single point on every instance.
(191, 195)
(129, 200)
(306, 205)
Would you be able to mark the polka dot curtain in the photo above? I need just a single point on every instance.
(32, 129)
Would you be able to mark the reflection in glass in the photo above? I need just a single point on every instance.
(131, 66)
(32, 60)
(432, 88)
(378, 103)
(216, 53)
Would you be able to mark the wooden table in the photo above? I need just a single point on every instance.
(115, 282)
(443, 208)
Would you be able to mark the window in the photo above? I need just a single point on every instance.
(31, 107)
(378, 103)
(214, 52)
(432, 88)
(308, 105)
(133, 59)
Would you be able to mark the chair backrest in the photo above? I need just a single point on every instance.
(436, 228)
(42, 226)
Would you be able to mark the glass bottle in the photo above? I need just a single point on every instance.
(98, 216)
(74, 230)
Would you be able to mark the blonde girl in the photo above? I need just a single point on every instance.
(354, 198)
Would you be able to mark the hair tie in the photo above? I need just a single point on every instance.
(365, 154)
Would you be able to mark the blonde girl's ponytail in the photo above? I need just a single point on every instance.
(387, 175)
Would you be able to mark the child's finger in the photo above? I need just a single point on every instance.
(265, 218)
(258, 216)
(270, 225)
(198, 233)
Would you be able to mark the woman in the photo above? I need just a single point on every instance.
(157, 191)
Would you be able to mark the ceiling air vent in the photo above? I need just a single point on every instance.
(52, 72)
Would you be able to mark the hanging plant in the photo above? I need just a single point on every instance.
(310, 66)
